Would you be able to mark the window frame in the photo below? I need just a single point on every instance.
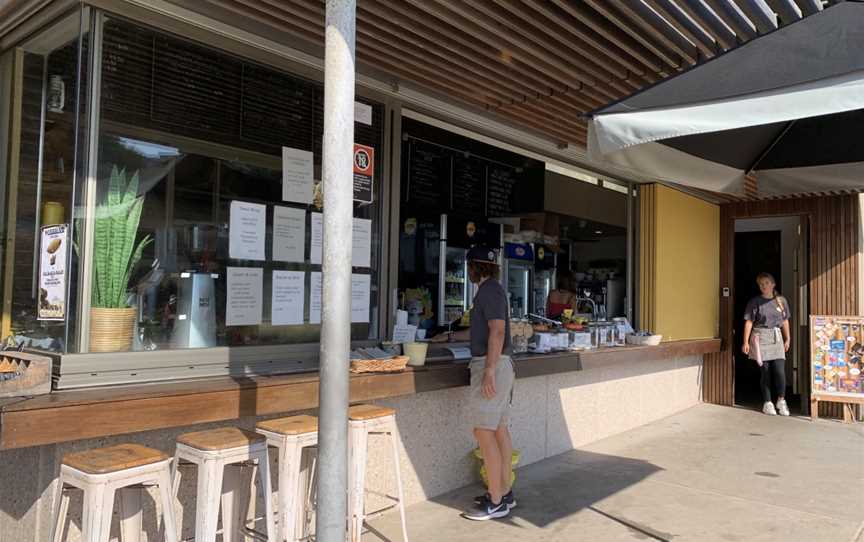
(85, 370)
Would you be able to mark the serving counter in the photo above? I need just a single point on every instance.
(101, 412)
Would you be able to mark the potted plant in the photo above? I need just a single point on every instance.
(115, 255)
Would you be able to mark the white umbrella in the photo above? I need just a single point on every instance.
(787, 106)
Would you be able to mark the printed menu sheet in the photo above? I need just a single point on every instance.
(286, 306)
(297, 175)
(289, 234)
(837, 351)
(360, 296)
(247, 226)
(361, 241)
(244, 303)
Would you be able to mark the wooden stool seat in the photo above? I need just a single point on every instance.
(291, 425)
(221, 457)
(369, 412)
(105, 473)
(224, 438)
(113, 458)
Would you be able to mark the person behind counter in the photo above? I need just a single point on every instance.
(766, 341)
(561, 298)
(492, 379)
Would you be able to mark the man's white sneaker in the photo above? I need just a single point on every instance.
(768, 408)
(782, 408)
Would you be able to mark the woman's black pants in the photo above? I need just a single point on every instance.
(773, 372)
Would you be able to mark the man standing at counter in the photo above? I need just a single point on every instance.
(492, 379)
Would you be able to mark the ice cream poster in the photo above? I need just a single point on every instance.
(837, 355)
(53, 260)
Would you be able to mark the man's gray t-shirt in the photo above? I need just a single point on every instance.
(490, 303)
(765, 312)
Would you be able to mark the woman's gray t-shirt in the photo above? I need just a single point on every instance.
(490, 303)
(767, 312)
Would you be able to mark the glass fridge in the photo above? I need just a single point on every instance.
(455, 291)
(545, 263)
(518, 271)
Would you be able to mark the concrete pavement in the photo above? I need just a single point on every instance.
(709, 473)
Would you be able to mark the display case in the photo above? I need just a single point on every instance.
(518, 275)
(456, 284)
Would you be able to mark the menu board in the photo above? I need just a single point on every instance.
(500, 189)
(836, 354)
(428, 175)
(468, 186)
(276, 107)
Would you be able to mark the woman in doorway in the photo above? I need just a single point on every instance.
(561, 298)
(766, 341)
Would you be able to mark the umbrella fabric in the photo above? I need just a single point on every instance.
(789, 104)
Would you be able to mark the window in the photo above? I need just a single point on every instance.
(40, 165)
(198, 136)
(180, 232)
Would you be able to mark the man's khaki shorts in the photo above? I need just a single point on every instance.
(491, 413)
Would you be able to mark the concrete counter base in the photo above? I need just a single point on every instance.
(553, 413)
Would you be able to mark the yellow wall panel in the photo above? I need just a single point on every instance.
(683, 268)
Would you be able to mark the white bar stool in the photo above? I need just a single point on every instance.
(102, 472)
(211, 451)
(290, 435)
(365, 420)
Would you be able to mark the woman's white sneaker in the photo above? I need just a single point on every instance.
(768, 408)
(782, 408)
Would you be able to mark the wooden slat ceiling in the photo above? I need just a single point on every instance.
(538, 64)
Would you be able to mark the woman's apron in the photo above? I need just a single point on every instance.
(766, 343)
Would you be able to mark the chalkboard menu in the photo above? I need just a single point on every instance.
(468, 186)
(428, 175)
(276, 108)
(500, 190)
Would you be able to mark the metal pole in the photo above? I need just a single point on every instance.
(337, 164)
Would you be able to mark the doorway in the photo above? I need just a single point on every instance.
(771, 245)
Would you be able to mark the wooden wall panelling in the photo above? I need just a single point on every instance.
(834, 268)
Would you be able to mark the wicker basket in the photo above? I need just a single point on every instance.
(111, 330)
(393, 365)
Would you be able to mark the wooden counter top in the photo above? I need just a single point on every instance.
(99, 412)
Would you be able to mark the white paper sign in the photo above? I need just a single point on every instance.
(246, 230)
(315, 287)
(289, 234)
(360, 290)
(361, 251)
(288, 295)
(297, 172)
(316, 243)
(363, 113)
(404, 334)
(53, 251)
(245, 286)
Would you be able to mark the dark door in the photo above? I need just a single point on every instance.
(755, 252)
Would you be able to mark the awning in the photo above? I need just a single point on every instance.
(788, 106)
